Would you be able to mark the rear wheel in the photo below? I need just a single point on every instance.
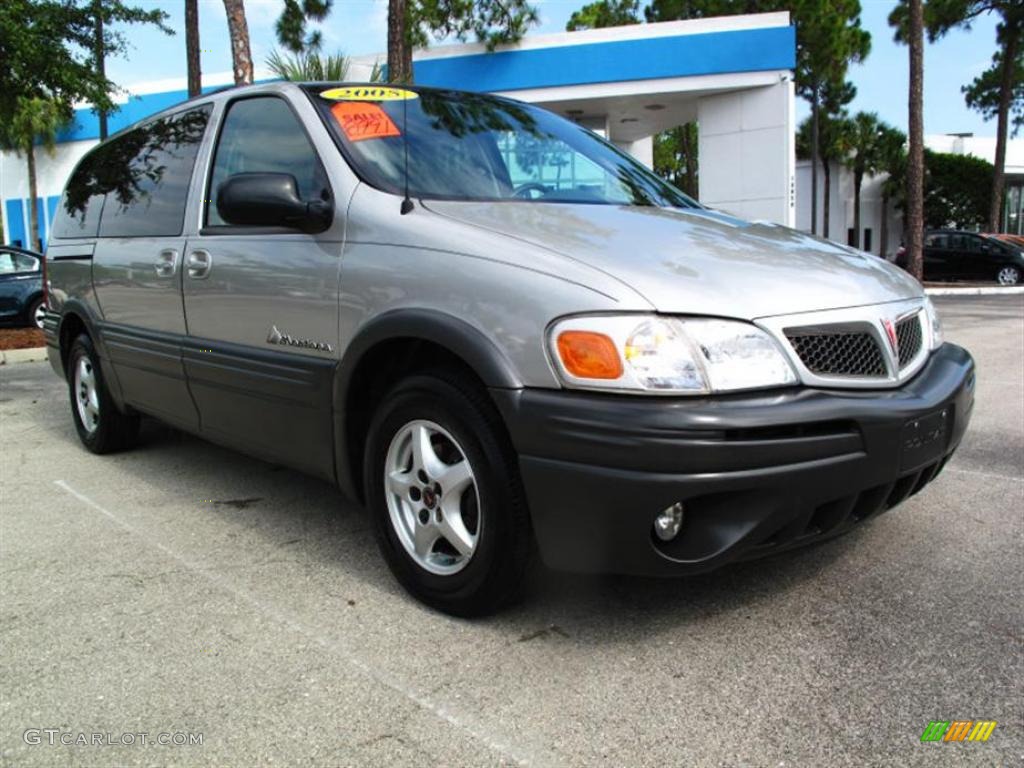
(444, 492)
(1008, 275)
(101, 427)
(36, 312)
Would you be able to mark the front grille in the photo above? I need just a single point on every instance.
(908, 333)
(838, 354)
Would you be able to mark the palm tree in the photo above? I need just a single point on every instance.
(915, 156)
(241, 57)
(892, 159)
(865, 138)
(34, 120)
(833, 147)
(309, 66)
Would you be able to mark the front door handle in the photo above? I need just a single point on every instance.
(199, 264)
(167, 263)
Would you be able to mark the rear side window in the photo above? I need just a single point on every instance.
(263, 135)
(145, 175)
(935, 241)
(78, 214)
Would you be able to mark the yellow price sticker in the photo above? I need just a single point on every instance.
(368, 93)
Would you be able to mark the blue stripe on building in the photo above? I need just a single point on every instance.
(14, 215)
(743, 50)
(751, 50)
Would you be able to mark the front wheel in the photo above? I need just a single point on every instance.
(101, 427)
(445, 496)
(1009, 275)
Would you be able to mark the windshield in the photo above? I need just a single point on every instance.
(465, 146)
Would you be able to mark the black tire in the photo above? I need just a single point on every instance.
(114, 430)
(495, 572)
(30, 315)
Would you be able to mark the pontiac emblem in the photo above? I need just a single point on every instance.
(890, 331)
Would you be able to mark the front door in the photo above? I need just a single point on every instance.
(137, 262)
(261, 304)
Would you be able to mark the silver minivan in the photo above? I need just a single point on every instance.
(493, 329)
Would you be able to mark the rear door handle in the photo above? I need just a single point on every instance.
(167, 263)
(199, 264)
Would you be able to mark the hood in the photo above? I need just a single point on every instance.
(697, 261)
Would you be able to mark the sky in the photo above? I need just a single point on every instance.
(359, 27)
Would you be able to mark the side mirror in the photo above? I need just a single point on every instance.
(270, 200)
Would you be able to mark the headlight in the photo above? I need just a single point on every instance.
(934, 324)
(666, 355)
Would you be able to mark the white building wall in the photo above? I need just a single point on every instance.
(52, 171)
(747, 152)
(841, 208)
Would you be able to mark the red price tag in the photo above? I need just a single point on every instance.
(360, 121)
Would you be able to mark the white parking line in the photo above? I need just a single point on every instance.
(494, 744)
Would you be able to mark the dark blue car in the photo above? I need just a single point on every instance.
(21, 286)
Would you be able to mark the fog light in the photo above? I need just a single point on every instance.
(668, 523)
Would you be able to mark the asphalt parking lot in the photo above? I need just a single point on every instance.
(185, 589)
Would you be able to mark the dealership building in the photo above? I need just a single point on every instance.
(733, 75)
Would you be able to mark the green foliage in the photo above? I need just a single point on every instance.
(493, 22)
(982, 95)
(35, 120)
(48, 51)
(833, 136)
(957, 191)
(676, 157)
(957, 188)
(604, 13)
(311, 66)
(942, 16)
(291, 25)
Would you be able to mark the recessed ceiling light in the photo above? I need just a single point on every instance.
(574, 112)
(629, 120)
(655, 107)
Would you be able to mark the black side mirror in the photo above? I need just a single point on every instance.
(270, 200)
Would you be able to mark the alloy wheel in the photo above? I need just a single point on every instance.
(432, 497)
(1009, 276)
(87, 397)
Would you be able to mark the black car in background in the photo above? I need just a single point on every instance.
(951, 254)
(21, 286)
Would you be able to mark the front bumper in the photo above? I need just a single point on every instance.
(757, 473)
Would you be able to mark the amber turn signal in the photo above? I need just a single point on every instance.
(588, 355)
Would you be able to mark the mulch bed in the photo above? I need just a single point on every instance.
(21, 338)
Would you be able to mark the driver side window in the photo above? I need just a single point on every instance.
(263, 135)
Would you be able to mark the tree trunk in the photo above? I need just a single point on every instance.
(858, 180)
(815, 155)
(241, 57)
(99, 51)
(915, 155)
(690, 151)
(827, 202)
(399, 50)
(33, 192)
(883, 236)
(195, 76)
(1003, 126)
